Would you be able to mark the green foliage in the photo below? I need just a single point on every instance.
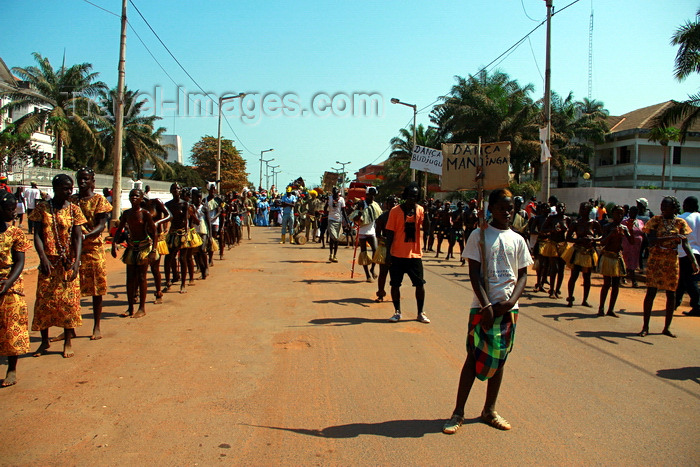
(525, 189)
(454, 196)
(186, 176)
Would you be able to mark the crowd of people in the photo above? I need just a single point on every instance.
(187, 231)
(67, 230)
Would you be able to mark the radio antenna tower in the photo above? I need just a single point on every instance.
(590, 54)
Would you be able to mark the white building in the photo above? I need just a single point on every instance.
(174, 153)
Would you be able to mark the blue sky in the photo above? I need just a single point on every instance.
(297, 50)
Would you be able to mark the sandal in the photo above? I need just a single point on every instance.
(496, 421)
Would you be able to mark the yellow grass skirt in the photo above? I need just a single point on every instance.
(552, 249)
(587, 258)
(140, 253)
(214, 245)
(193, 239)
(162, 245)
(363, 259)
(380, 254)
(612, 264)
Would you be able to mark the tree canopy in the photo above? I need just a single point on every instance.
(233, 166)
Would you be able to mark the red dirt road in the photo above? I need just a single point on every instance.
(280, 358)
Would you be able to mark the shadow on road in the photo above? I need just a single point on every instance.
(608, 336)
(691, 373)
(571, 315)
(347, 301)
(302, 261)
(548, 304)
(347, 321)
(390, 429)
(329, 281)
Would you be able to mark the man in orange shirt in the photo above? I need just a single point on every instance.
(403, 232)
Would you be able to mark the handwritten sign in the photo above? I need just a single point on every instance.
(427, 159)
(460, 162)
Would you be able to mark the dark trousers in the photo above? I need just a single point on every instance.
(30, 224)
(687, 282)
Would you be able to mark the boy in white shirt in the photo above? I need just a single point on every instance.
(494, 309)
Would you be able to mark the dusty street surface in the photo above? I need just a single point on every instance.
(280, 358)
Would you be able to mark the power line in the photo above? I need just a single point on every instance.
(525, 11)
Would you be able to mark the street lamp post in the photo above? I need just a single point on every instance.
(342, 187)
(274, 175)
(413, 106)
(261, 163)
(267, 177)
(266, 161)
(218, 139)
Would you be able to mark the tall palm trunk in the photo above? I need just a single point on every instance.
(663, 168)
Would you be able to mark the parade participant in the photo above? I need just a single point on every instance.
(555, 228)
(93, 264)
(323, 223)
(426, 204)
(537, 239)
(531, 208)
(161, 216)
(140, 251)
(288, 201)
(176, 239)
(203, 228)
(214, 207)
(665, 233)
(313, 215)
(365, 216)
(14, 334)
(520, 219)
(31, 196)
(58, 241)
(688, 282)
(263, 214)
(602, 213)
(21, 206)
(494, 309)
(336, 215)
(380, 256)
(194, 241)
(403, 238)
(631, 248)
(434, 213)
(249, 206)
(444, 224)
(456, 233)
(581, 256)
(612, 264)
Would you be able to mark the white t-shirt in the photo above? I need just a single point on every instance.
(693, 220)
(30, 196)
(506, 252)
(335, 212)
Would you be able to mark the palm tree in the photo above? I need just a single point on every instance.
(492, 107)
(575, 126)
(140, 137)
(663, 135)
(67, 92)
(687, 60)
(397, 170)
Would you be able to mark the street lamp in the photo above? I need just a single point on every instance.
(266, 161)
(218, 139)
(261, 163)
(413, 106)
(274, 175)
(267, 177)
(344, 176)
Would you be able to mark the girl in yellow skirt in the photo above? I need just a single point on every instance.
(554, 230)
(581, 256)
(611, 264)
(161, 216)
(14, 335)
(139, 252)
(665, 233)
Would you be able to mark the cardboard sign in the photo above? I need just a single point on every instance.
(330, 179)
(427, 159)
(460, 162)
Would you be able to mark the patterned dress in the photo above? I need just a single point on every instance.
(631, 251)
(57, 300)
(14, 335)
(93, 265)
(662, 267)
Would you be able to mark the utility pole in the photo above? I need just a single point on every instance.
(119, 122)
(546, 166)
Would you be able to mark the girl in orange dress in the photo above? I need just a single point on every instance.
(14, 336)
(58, 242)
(665, 233)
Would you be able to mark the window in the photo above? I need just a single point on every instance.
(676, 155)
(625, 156)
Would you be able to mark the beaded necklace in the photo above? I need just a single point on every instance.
(62, 249)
